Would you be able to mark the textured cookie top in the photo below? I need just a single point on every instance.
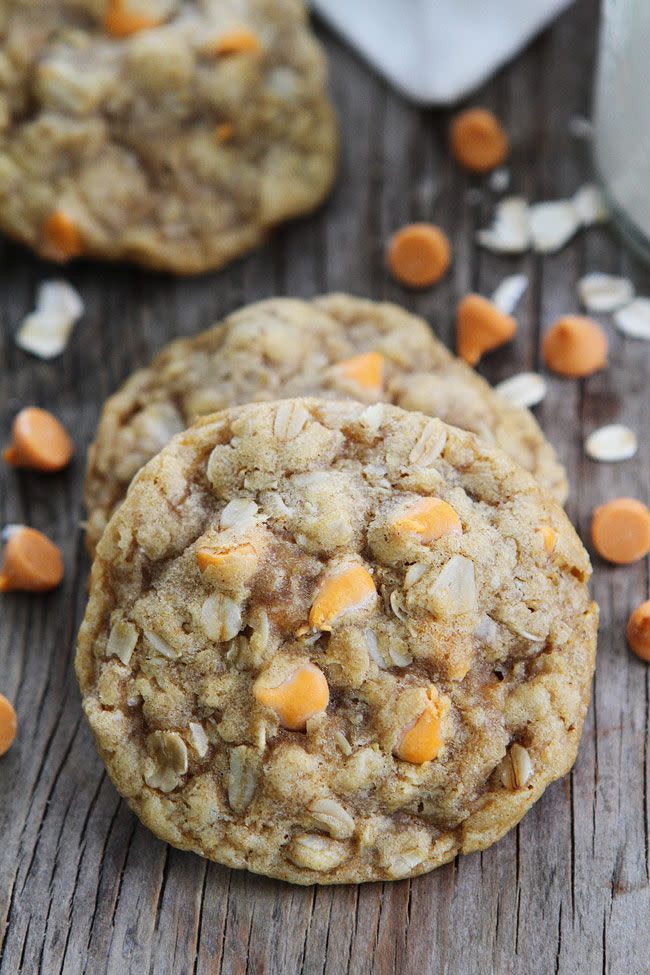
(328, 641)
(336, 346)
(169, 132)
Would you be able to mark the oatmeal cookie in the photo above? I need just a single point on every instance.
(335, 346)
(173, 133)
(335, 642)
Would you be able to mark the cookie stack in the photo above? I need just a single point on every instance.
(339, 627)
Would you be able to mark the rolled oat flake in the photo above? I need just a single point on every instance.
(614, 442)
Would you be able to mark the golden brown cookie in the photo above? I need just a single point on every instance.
(335, 642)
(173, 133)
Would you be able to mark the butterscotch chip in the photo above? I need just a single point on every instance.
(61, 238)
(478, 140)
(39, 441)
(620, 530)
(236, 42)
(296, 664)
(172, 133)
(422, 740)
(481, 327)
(549, 538)
(342, 592)
(30, 562)
(575, 346)
(336, 346)
(8, 724)
(301, 696)
(638, 631)
(125, 17)
(419, 254)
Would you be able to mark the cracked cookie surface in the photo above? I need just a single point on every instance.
(334, 346)
(335, 642)
(173, 133)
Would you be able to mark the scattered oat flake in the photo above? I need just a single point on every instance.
(612, 443)
(634, 319)
(546, 226)
(46, 331)
(552, 225)
(509, 293)
(600, 292)
(590, 204)
(510, 230)
(499, 180)
(524, 389)
(57, 297)
(522, 767)
(199, 738)
(44, 335)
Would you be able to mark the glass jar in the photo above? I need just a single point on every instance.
(622, 117)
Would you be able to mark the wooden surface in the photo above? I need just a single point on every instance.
(84, 887)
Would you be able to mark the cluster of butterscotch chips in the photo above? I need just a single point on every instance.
(574, 347)
(419, 254)
(305, 692)
(30, 561)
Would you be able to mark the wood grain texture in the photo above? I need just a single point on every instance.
(84, 888)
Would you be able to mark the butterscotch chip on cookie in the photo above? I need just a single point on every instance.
(173, 133)
(335, 346)
(335, 642)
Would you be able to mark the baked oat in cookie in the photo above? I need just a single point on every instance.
(335, 346)
(335, 642)
(173, 133)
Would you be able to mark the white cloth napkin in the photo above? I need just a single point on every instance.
(435, 51)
